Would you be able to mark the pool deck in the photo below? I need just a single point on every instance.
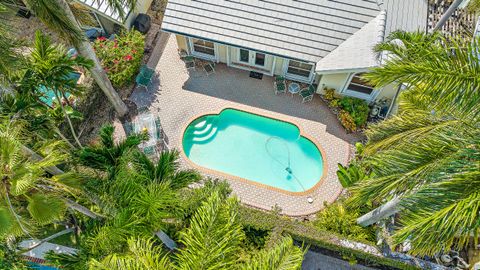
(178, 96)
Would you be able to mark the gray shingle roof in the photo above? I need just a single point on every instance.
(357, 51)
(300, 29)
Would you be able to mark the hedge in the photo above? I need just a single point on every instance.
(312, 236)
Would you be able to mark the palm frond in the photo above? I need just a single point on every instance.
(142, 255)
(53, 13)
(214, 236)
(46, 209)
(283, 256)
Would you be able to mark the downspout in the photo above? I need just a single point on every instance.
(447, 15)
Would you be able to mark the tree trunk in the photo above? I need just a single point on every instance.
(383, 211)
(72, 130)
(82, 209)
(53, 170)
(59, 133)
(85, 49)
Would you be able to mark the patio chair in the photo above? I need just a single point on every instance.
(209, 68)
(149, 150)
(189, 62)
(279, 87)
(144, 77)
(307, 93)
(279, 78)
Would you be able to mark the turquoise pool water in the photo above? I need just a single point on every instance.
(254, 147)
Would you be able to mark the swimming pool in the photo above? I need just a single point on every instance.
(256, 148)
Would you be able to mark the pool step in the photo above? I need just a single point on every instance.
(207, 137)
(206, 129)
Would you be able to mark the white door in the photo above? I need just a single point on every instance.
(252, 58)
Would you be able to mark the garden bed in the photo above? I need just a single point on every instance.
(351, 112)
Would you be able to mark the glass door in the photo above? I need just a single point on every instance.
(259, 59)
(251, 58)
(244, 56)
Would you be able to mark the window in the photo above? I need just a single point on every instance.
(260, 59)
(244, 55)
(203, 46)
(360, 86)
(299, 68)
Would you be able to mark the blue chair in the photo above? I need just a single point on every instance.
(144, 77)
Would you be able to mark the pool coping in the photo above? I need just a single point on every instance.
(252, 182)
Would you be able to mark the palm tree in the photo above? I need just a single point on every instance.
(29, 197)
(11, 60)
(211, 242)
(36, 116)
(425, 159)
(166, 169)
(50, 68)
(58, 16)
(106, 154)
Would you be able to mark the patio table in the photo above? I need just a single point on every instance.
(293, 88)
(146, 121)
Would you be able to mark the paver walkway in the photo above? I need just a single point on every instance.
(178, 96)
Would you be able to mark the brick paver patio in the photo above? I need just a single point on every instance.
(178, 96)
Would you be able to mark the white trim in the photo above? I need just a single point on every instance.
(346, 92)
(203, 55)
(228, 55)
(297, 77)
(273, 65)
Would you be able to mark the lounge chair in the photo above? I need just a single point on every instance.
(144, 77)
(307, 93)
(279, 87)
(209, 69)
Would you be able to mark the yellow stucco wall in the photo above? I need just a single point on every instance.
(339, 80)
(336, 81)
(278, 70)
(222, 53)
(182, 42)
(387, 92)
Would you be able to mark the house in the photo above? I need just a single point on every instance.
(106, 19)
(326, 42)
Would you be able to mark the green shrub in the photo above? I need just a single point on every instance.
(347, 120)
(329, 93)
(334, 102)
(336, 218)
(121, 58)
(312, 235)
(357, 108)
(255, 238)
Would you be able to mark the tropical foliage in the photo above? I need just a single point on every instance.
(121, 57)
(212, 241)
(30, 197)
(337, 218)
(350, 174)
(429, 153)
(357, 108)
(49, 69)
(58, 16)
(352, 112)
(11, 60)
